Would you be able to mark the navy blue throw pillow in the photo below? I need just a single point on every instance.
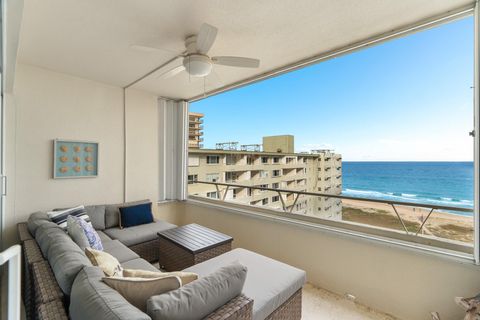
(136, 215)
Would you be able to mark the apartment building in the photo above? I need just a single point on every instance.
(317, 171)
(195, 127)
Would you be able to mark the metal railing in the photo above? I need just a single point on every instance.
(223, 194)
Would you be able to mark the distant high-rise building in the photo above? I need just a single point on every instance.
(278, 167)
(195, 127)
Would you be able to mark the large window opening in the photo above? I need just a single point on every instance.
(376, 141)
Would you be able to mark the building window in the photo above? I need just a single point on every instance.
(213, 159)
(276, 173)
(213, 177)
(213, 195)
(276, 160)
(275, 185)
(264, 201)
(192, 178)
(263, 186)
(263, 174)
(275, 198)
(231, 177)
(230, 159)
(290, 160)
(249, 192)
(250, 160)
(264, 160)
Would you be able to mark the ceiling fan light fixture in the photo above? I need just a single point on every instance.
(197, 65)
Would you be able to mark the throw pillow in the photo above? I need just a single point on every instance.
(199, 298)
(186, 277)
(136, 215)
(60, 216)
(138, 290)
(108, 263)
(92, 236)
(75, 231)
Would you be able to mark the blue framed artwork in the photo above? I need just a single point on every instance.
(75, 159)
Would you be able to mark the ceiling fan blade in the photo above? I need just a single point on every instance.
(236, 62)
(171, 73)
(206, 37)
(145, 48)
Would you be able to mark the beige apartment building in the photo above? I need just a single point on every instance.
(195, 127)
(275, 167)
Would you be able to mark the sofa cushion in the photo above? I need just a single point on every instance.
(103, 237)
(201, 297)
(119, 251)
(138, 234)
(269, 282)
(112, 212)
(64, 256)
(138, 263)
(138, 290)
(75, 231)
(136, 215)
(35, 220)
(91, 297)
(97, 216)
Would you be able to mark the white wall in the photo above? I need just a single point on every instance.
(142, 145)
(46, 105)
(404, 283)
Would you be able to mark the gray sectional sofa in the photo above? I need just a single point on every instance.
(61, 283)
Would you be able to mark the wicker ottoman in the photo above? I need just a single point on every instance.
(185, 246)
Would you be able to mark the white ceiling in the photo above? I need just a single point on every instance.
(92, 38)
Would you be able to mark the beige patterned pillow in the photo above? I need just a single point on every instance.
(138, 290)
(186, 277)
(108, 263)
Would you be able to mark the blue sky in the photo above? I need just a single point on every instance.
(409, 99)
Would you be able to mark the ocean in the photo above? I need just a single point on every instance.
(440, 183)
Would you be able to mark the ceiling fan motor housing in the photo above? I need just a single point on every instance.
(197, 65)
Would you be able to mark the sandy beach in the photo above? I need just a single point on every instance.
(439, 224)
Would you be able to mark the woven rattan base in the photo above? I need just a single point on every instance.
(174, 258)
(147, 250)
(239, 308)
(290, 309)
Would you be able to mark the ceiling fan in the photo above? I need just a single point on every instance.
(195, 61)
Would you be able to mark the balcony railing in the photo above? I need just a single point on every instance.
(288, 207)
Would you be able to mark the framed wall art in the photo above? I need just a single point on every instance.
(75, 159)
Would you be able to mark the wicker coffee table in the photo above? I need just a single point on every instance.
(185, 246)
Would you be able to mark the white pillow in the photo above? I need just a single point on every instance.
(75, 231)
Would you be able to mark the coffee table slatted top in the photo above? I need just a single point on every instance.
(195, 238)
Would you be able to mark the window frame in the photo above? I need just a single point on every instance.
(387, 36)
(212, 156)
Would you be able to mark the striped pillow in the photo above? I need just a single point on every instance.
(60, 217)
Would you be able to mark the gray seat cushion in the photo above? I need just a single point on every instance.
(103, 236)
(97, 216)
(138, 234)
(112, 212)
(64, 256)
(269, 282)
(93, 299)
(119, 251)
(138, 264)
(201, 297)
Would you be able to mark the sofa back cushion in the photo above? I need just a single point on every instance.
(64, 256)
(112, 212)
(201, 297)
(97, 216)
(35, 220)
(93, 299)
(60, 216)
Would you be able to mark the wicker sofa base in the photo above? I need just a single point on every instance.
(147, 250)
(290, 309)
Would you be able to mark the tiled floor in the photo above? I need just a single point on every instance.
(321, 304)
